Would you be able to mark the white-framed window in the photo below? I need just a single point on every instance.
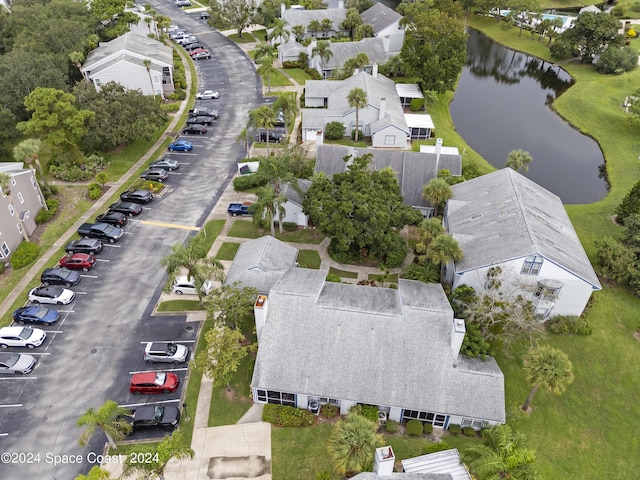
(389, 139)
(532, 265)
(20, 197)
(156, 79)
(40, 200)
(11, 210)
(97, 82)
(472, 422)
(19, 228)
(5, 249)
(13, 182)
(34, 183)
(541, 313)
(279, 398)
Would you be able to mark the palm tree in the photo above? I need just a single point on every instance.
(549, 368)
(263, 49)
(288, 104)
(268, 207)
(353, 443)
(357, 98)
(245, 137)
(266, 68)
(171, 447)
(263, 117)
(322, 50)
(429, 229)
(394, 66)
(279, 30)
(298, 31)
(147, 64)
(437, 191)
(314, 26)
(276, 171)
(27, 151)
(193, 258)
(326, 25)
(503, 455)
(554, 29)
(148, 21)
(519, 160)
(96, 473)
(77, 58)
(109, 418)
(442, 250)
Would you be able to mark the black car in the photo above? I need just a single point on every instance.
(164, 416)
(137, 196)
(92, 246)
(200, 119)
(116, 219)
(36, 315)
(204, 16)
(192, 46)
(60, 276)
(203, 112)
(195, 129)
(128, 208)
(274, 137)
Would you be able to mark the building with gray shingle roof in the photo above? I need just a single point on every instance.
(446, 461)
(413, 169)
(343, 51)
(293, 205)
(386, 26)
(261, 262)
(122, 59)
(294, 16)
(505, 220)
(345, 344)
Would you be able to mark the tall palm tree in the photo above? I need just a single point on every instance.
(326, 25)
(314, 26)
(277, 171)
(266, 68)
(442, 250)
(268, 207)
(77, 58)
(264, 117)
(322, 50)
(27, 151)
(96, 473)
(353, 443)
(263, 49)
(279, 30)
(298, 31)
(503, 455)
(147, 64)
(193, 258)
(549, 368)
(109, 419)
(357, 98)
(287, 102)
(429, 229)
(245, 137)
(437, 191)
(171, 447)
(519, 160)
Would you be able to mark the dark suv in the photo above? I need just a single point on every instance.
(164, 416)
(59, 276)
(155, 174)
(136, 196)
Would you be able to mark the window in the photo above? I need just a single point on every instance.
(11, 210)
(19, 228)
(20, 197)
(437, 420)
(5, 249)
(332, 401)
(541, 313)
(547, 289)
(40, 200)
(389, 139)
(280, 398)
(97, 82)
(532, 265)
(34, 183)
(471, 422)
(13, 182)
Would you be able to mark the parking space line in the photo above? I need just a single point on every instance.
(80, 293)
(112, 246)
(3, 434)
(183, 153)
(150, 403)
(174, 173)
(144, 208)
(184, 163)
(170, 225)
(128, 233)
(168, 341)
(163, 370)
(102, 260)
(90, 276)
(39, 353)
(11, 405)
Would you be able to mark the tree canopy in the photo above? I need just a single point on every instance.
(361, 210)
(590, 35)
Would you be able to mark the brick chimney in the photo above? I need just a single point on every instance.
(383, 461)
(383, 107)
(260, 309)
(458, 331)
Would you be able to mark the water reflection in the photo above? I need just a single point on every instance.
(503, 102)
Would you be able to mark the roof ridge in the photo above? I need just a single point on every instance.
(525, 219)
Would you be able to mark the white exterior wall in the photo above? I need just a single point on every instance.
(395, 414)
(392, 37)
(573, 296)
(345, 405)
(293, 213)
(302, 401)
(380, 138)
(132, 76)
(314, 102)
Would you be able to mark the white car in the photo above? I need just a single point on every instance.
(21, 337)
(207, 95)
(19, 363)
(55, 295)
(186, 285)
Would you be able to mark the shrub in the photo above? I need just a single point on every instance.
(474, 345)
(324, 475)
(329, 411)
(246, 182)
(285, 416)
(2, 266)
(416, 105)
(455, 429)
(289, 64)
(370, 412)
(170, 107)
(332, 277)
(631, 33)
(334, 131)
(565, 324)
(178, 94)
(391, 426)
(427, 428)
(635, 7)
(617, 60)
(26, 253)
(353, 134)
(469, 431)
(290, 226)
(44, 215)
(436, 447)
(102, 178)
(94, 190)
(414, 428)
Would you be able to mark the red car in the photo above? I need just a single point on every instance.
(198, 50)
(78, 261)
(154, 382)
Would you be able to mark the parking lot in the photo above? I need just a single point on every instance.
(90, 355)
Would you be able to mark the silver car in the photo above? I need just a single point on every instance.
(18, 363)
(169, 164)
(162, 352)
(207, 95)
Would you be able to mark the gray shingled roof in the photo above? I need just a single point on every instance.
(413, 169)
(291, 193)
(403, 476)
(260, 263)
(343, 51)
(129, 42)
(305, 17)
(447, 461)
(380, 17)
(291, 47)
(504, 215)
(372, 345)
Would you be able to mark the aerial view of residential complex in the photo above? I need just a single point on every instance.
(255, 239)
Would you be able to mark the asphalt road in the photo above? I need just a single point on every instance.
(89, 356)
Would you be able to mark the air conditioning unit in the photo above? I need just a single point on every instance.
(382, 417)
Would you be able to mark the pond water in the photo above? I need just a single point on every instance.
(503, 103)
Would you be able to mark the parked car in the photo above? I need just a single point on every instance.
(155, 174)
(180, 146)
(207, 95)
(274, 137)
(200, 119)
(59, 276)
(204, 16)
(183, 3)
(187, 38)
(102, 231)
(236, 209)
(169, 164)
(170, 352)
(201, 56)
(116, 219)
(84, 245)
(78, 261)
(186, 285)
(195, 129)
(128, 208)
(192, 46)
(18, 363)
(154, 382)
(36, 315)
(198, 50)
(54, 295)
(137, 196)
(203, 112)
(164, 416)
(21, 337)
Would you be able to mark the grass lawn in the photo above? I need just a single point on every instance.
(300, 452)
(180, 306)
(310, 235)
(261, 35)
(343, 273)
(362, 143)
(244, 229)
(393, 278)
(211, 231)
(309, 259)
(277, 79)
(227, 407)
(246, 38)
(298, 75)
(227, 251)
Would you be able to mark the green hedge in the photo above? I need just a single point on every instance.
(391, 426)
(455, 429)
(26, 253)
(329, 411)
(427, 428)
(370, 412)
(436, 447)
(44, 215)
(565, 324)
(414, 428)
(247, 182)
(469, 431)
(285, 416)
